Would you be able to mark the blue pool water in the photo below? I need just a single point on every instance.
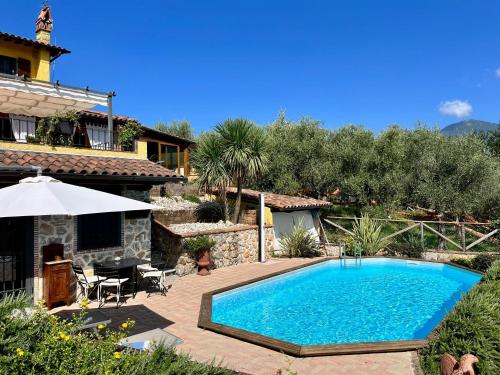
(347, 301)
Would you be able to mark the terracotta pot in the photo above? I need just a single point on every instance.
(203, 262)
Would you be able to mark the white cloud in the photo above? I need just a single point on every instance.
(497, 73)
(457, 108)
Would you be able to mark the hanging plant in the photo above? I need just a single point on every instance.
(57, 129)
(127, 134)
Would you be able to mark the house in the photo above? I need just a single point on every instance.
(85, 154)
(283, 212)
(168, 150)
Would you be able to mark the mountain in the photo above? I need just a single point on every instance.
(469, 126)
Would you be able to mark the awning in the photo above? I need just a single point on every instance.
(42, 195)
(41, 99)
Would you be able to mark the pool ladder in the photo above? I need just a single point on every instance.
(357, 256)
(358, 251)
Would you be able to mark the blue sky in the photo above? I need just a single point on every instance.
(365, 62)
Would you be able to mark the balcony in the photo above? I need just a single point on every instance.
(24, 102)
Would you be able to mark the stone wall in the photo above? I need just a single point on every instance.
(174, 188)
(446, 255)
(168, 217)
(234, 245)
(136, 242)
(138, 195)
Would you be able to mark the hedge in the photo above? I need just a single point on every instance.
(472, 327)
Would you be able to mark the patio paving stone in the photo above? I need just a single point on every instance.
(177, 313)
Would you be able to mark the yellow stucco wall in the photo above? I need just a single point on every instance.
(72, 150)
(142, 150)
(39, 58)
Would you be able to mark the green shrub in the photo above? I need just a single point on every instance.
(191, 198)
(128, 133)
(482, 262)
(299, 242)
(493, 273)
(44, 344)
(472, 327)
(193, 246)
(209, 212)
(411, 246)
(465, 262)
(369, 235)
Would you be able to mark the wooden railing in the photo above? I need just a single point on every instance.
(424, 225)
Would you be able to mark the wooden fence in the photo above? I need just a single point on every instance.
(424, 225)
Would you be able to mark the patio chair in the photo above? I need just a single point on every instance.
(86, 284)
(155, 272)
(112, 282)
(156, 278)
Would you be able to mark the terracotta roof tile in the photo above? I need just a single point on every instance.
(104, 116)
(83, 165)
(280, 201)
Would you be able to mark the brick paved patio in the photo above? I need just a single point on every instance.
(177, 313)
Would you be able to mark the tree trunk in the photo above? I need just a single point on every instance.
(237, 204)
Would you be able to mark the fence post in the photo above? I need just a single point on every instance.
(422, 232)
(462, 237)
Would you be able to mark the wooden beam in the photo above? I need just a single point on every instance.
(442, 236)
(338, 226)
(481, 239)
(401, 231)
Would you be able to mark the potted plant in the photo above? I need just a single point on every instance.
(199, 249)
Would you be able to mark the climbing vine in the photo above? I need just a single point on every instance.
(50, 131)
(127, 134)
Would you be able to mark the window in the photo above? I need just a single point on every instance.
(99, 231)
(169, 156)
(98, 136)
(22, 127)
(8, 65)
(23, 67)
(6, 129)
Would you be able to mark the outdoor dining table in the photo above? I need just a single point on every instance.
(122, 264)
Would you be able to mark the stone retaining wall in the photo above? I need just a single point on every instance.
(168, 217)
(234, 245)
(136, 242)
(446, 255)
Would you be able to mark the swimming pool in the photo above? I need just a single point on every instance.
(346, 302)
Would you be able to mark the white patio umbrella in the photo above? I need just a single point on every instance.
(42, 195)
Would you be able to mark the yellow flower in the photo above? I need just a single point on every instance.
(70, 324)
(101, 326)
(117, 355)
(61, 334)
(20, 352)
(125, 325)
(66, 337)
(84, 303)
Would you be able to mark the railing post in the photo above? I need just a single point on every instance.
(110, 120)
(422, 232)
(462, 237)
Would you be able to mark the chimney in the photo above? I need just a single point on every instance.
(43, 26)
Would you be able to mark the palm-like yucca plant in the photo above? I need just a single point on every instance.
(208, 161)
(243, 146)
(299, 242)
(368, 235)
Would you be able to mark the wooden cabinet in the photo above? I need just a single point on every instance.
(56, 282)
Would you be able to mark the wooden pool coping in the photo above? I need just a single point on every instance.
(205, 321)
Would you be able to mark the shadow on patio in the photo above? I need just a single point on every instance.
(145, 318)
